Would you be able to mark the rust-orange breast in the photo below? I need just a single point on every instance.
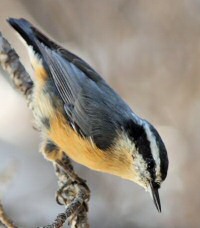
(114, 161)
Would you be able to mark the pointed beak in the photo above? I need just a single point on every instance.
(155, 196)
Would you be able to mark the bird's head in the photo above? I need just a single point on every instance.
(150, 160)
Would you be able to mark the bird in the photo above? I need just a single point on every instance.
(79, 114)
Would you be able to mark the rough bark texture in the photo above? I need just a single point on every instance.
(73, 193)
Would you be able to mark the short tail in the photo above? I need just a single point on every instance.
(30, 34)
(25, 30)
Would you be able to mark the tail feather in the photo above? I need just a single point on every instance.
(30, 34)
(35, 38)
(25, 30)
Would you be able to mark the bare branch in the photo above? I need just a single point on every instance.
(4, 219)
(18, 76)
(73, 191)
(74, 194)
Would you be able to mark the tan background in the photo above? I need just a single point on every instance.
(149, 51)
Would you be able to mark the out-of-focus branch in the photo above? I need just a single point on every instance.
(73, 193)
(4, 219)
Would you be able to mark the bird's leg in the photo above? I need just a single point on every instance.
(76, 191)
(73, 192)
(65, 165)
(9, 61)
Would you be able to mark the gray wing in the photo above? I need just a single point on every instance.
(92, 107)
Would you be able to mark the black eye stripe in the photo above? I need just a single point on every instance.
(138, 135)
(143, 146)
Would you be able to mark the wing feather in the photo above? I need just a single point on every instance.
(93, 108)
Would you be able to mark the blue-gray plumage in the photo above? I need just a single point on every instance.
(89, 102)
(125, 144)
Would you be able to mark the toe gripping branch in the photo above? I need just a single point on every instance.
(73, 193)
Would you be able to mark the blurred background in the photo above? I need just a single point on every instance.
(149, 51)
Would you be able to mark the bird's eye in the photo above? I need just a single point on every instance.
(156, 185)
(150, 164)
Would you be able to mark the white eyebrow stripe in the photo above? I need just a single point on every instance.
(137, 119)
(154, 150)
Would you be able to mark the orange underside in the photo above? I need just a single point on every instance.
(86, 153)
(114, 161)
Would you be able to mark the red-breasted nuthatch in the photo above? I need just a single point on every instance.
(80, 114)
